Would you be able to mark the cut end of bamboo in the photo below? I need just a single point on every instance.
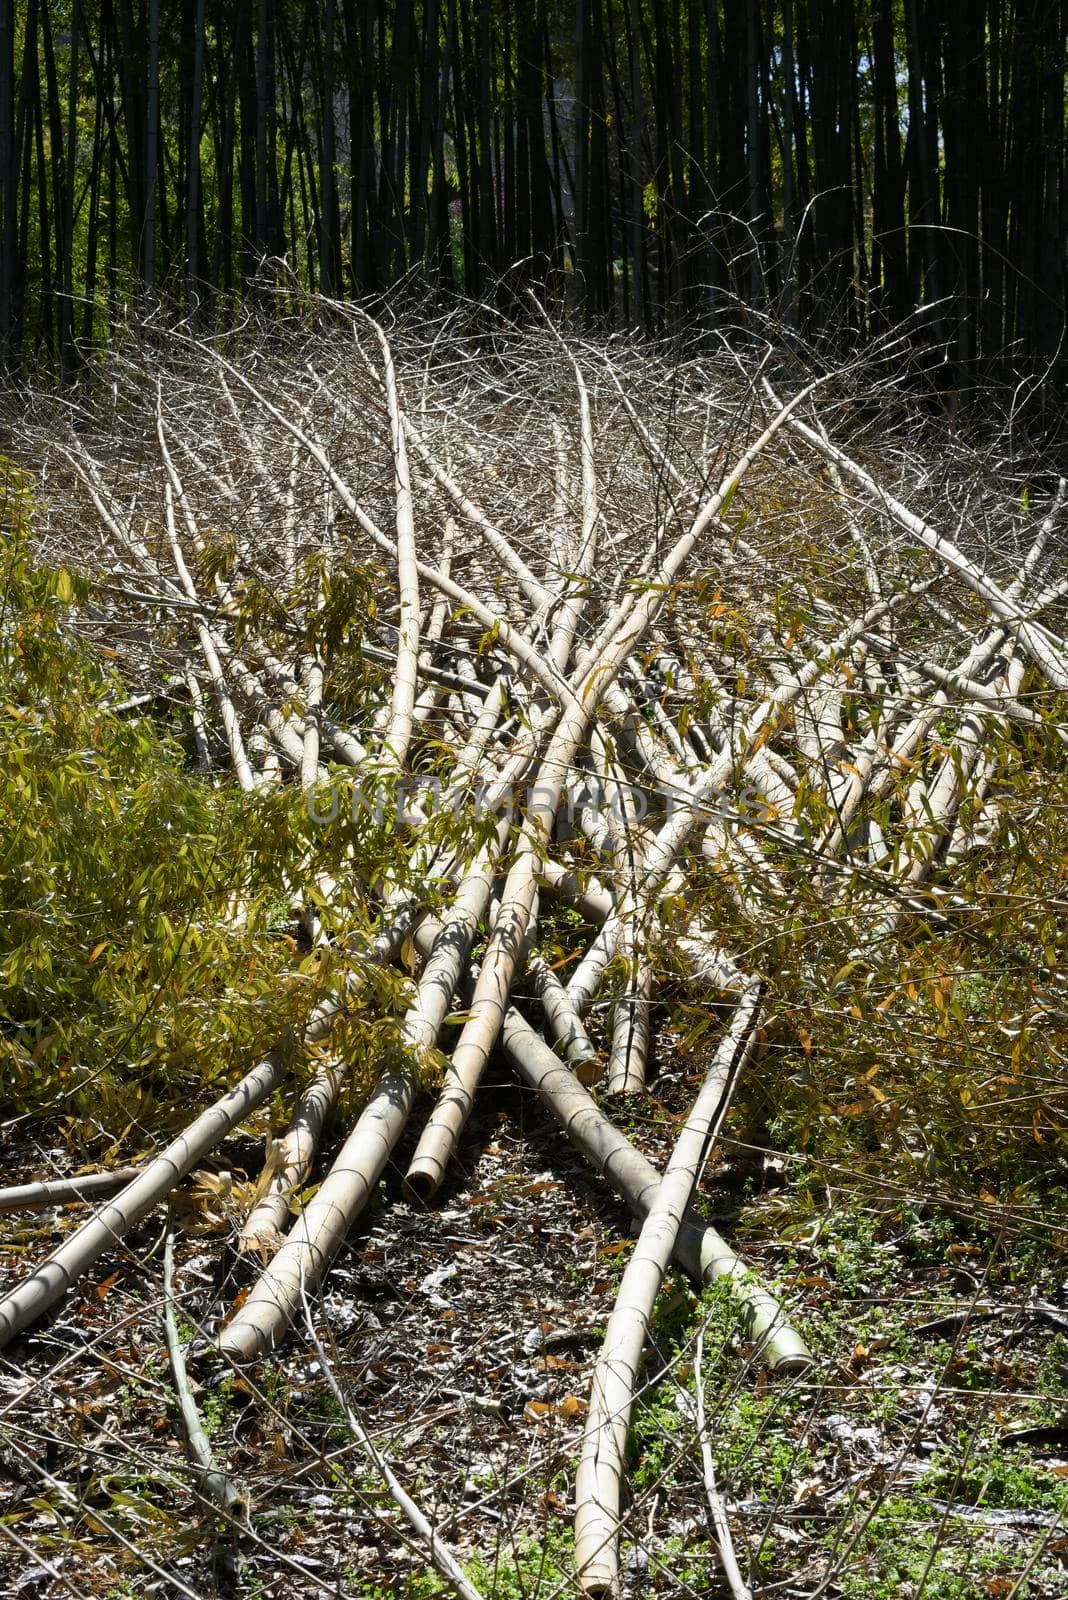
(423, 1179)
(784, 1352)
(588, 1071)
(243, 1342)
(621, 1083)
(791, 1365)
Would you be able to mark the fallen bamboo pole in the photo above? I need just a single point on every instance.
(699, 1249)
(65, 1191)
(46, 1285)
(318, 1233)
(290, 1159)
(599, 1480)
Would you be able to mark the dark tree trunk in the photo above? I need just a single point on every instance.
(9, 175)
(152, 131)
(328, 240)
(194, 203)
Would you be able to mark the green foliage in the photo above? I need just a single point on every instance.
(145, 951)
(528, 1567)
(923, 1040)
(901, 1548)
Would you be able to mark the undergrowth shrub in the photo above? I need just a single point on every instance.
(147, 948)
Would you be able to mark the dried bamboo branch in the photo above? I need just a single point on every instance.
(442, 1558)
(211, 1481)
(717, 1508)
(1045, 650)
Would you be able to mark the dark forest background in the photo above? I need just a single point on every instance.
(650, 164)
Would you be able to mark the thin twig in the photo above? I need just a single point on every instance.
(441, 1556)
(716, 1505)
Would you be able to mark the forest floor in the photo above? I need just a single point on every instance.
(925, 1454)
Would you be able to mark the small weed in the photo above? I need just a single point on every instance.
(905, 1545)
(531, 1567)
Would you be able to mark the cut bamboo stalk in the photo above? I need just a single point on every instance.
(313, 702)
(699, 1250)
(405, 682)
(173, 493)
(563, 1023)
(502, 548)
(631, 1015)
(1032, 564)
(574, 587)
(65, 1191)
(345, 746)
(251, 450)
(504, 952)
(435, 627)
(507, 637)
(561, 551)
(287, 739)
(586, 894)
(455, 934)
(982, 695)
(598, 1483)
(232, 727)
(290, 1159)
(46, 1285)
(631, 1022)
(200, 724)
(942, 800)
(318, 1233)
(895, 759)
